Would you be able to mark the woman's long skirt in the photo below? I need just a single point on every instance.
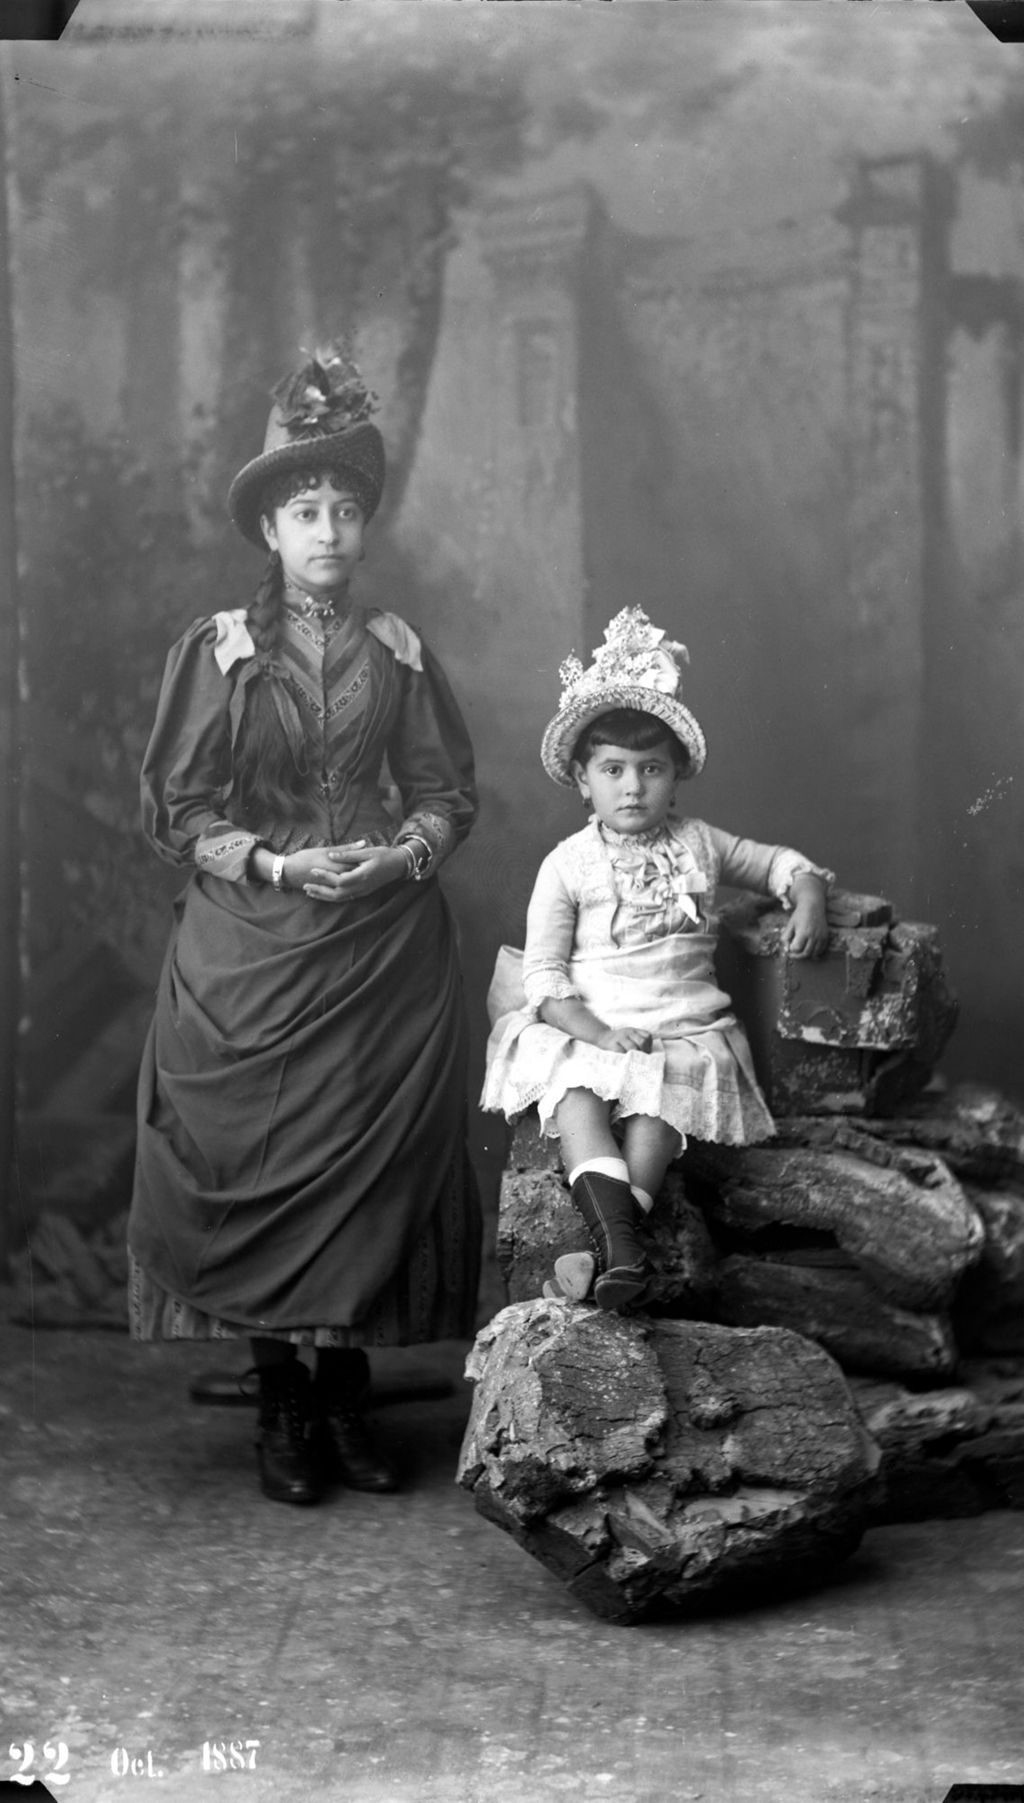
(301, 1166)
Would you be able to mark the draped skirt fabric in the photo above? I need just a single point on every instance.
(301, 1166)
(698, 1076)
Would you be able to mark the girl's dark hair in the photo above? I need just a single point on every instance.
(267, 770)
(634, 731)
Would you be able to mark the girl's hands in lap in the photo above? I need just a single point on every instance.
(624, 1039)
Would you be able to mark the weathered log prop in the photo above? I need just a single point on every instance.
(855, 1243)
(655, 1464)
(659, 1459)
(900, 1215)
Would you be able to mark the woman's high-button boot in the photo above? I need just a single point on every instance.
(345, 1446)
(284, 1447)
(612, 1215)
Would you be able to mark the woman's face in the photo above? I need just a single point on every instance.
(318, 536)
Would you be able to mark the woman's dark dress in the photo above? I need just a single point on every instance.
(301, 1165)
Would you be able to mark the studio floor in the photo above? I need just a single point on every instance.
(165, 1632)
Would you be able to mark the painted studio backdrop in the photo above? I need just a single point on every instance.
(719, 310)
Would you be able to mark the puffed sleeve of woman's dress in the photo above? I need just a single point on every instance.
(187, 766)
(431, 759)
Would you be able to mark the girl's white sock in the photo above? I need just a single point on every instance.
(608, 1167)
(646, 1202)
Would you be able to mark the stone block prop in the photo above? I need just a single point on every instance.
(854, 1032)
(655, 1465)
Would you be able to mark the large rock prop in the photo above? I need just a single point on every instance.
(653, 1465)
(948, 1452)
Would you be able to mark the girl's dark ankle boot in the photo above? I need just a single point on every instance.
(613, 1215)
(284, 1445)
(345, 1446)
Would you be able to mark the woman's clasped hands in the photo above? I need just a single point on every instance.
(340, 873)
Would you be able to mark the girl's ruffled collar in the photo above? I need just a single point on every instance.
(657, 835)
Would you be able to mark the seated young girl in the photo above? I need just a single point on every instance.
(627, 1045)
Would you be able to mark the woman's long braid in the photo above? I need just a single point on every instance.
(264, 611)
(269, 764)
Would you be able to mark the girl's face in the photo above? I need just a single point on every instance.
(630, 791)
(318, 535)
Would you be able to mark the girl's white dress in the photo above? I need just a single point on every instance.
(624, 922)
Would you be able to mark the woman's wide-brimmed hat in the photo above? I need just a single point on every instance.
(320, 420)
(636, 667)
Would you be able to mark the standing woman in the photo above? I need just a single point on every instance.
(302, 1176)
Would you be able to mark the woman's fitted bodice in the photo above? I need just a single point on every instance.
(366, 689)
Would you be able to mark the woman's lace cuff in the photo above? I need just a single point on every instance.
(227, 854)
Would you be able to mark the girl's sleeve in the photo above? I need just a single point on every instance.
(431, 760)
(770, 869)
(550, 933)
(186, 771)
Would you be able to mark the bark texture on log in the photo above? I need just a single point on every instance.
(828, 1299)
(900, 1214)
(652, 1464)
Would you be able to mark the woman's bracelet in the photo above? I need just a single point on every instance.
(277, 872)
(418, 866)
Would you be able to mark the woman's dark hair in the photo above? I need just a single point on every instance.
(283, 488)
(634, 731)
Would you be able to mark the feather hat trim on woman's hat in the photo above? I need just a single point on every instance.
(320, 420)
(636, 667)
